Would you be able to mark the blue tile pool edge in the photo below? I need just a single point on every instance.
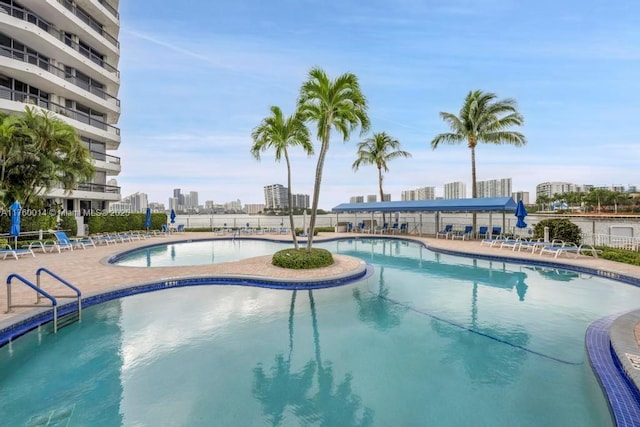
(15, 329)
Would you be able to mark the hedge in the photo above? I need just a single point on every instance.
(301, 259)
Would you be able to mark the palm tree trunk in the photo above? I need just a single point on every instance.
(290, 197)
(474, 186)
(381, 192)
(316, 333)
(316, 186)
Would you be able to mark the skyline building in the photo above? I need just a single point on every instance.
(521, 195)
(275, 196)
(61, 57)
(455, 190)
(356, 199)
(494, 188)
(422, 193)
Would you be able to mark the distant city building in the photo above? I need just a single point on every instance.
(521, 195)
(549, 189)
(254, 208)
(300, 201)
(209, 205)
(372, 198)
(138, 202)
(275, 196)
(494, 188)
(156, 207)
(120, 207)
(455, 190)
(173, 203)
(356, 199)
(235, 206)
(632, 189)
(422, 193)
(386, 197)
(177, 194)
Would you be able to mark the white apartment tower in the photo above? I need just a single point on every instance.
(62, 56)
(455, 190)
(549, 189)
(422, 193)
(494, 188)
(275, 196)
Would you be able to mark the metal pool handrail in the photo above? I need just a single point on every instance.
(78, 294)
(39, 291)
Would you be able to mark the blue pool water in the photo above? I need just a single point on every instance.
(198, 253)
(428, 339)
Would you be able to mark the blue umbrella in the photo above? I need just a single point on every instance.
(173, 216)
(15, 209)
(147, 219)
(521, 212)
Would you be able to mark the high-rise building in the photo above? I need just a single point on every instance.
(275, 196)
(455, 190)
(173, 203)
(300, 201)
(422, 193)
(549, 189)
(372, 198)
(386, 197)
(193, 200)
(521, 195)
(62, 56)
(138, 202)
(156, 207)
(494, 188)
(356, 199)
(254, 208)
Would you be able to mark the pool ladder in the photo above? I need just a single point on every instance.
(41, 293)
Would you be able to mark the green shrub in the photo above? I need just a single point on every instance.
(324, 230)
(68, 222)
(299, 232)
(620, 255)
(116, 222)
(301, 259)
(559, 228)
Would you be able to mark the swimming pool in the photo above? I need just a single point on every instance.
(429, 339)
(199, 252)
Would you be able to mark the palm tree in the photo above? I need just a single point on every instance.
(279, 133)
(46, 152)
(378, 150)
(338, 104)
(482, 118)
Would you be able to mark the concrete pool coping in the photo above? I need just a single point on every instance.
(97, 279)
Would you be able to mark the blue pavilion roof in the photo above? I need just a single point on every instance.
(489, 204)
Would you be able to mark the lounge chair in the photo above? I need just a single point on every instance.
(496, 232)
(404, 228)
(464, 234)
(448, 229)
(78, 242)
(382, 229)
(483, 232)
(7, 250)
(394, 228)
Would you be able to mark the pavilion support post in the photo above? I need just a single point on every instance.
(420, 229)
(371, 226)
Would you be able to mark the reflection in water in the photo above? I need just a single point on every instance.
(376, 308)
(555, 274)
(331, 405)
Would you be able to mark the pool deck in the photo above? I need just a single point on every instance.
(88, 270)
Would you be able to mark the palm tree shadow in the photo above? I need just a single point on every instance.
(377, 309)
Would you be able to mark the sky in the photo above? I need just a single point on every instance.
(196, 80)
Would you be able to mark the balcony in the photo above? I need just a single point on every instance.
(27, 98)
(110, 8)
(89, 21)
(25, 15)
(33, 59)
(107, 162)
(87, 191)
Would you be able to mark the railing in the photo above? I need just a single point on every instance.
(89, 21)
(110, 8)
(27, 98)
(25, 15)
(77, 295)
(45, 65)
(612, 241)
(105, 157)
(97, 188)
(39, 291)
